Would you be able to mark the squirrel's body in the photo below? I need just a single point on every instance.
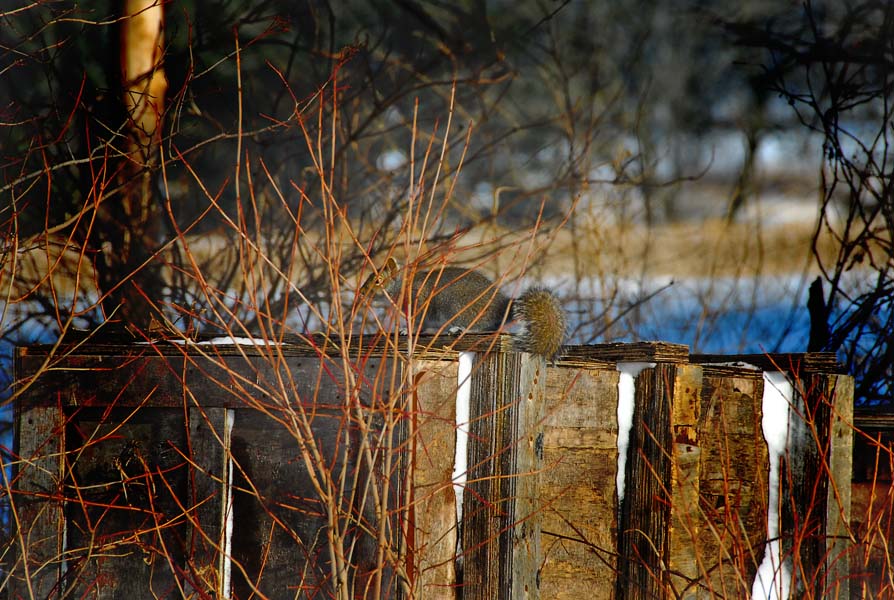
(457, 299)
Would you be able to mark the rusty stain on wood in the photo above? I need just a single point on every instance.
(687, 519)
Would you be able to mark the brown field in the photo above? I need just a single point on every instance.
(705, 249)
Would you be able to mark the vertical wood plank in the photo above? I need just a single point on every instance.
(838, 503)
(501, 519)
(528, 455)
(38, 502)
(645, 510)
(733, 482)
(209, 491)
(125, 482)
(279, 536)
(805, 482)
(578, 496)
(432, 547)
(687, 517)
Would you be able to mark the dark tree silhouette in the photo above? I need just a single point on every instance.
(834, 63)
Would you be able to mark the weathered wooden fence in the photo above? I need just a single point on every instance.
(189, 470)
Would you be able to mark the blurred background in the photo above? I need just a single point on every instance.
(677, 171)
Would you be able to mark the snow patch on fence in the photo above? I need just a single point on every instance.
(626, 404)
(774, 576)
(460, 459)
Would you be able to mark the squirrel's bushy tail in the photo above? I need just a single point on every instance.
(543, 322)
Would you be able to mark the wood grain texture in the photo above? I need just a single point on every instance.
(432, 548)
(628, 352)
(687, 518)
(137, 521)
(733, 483)
(427, 347)
(39, 506)
(208, 491)
(645, 509)
(279, 530)
(839, 502)
(126, 489)
(141, 377)
(811, 478)
(795, 363)
(501, 529)
(138, 430)
(578, 495)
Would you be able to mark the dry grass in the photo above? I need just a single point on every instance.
(708, 248)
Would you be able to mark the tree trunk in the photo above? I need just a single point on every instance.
(131, 221)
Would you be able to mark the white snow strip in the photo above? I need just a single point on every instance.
(218, 341)
(460, 458)
(626, 403)
(234, 341)
(226, 557)
(774, 576)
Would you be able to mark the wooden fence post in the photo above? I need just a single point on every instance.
(687, 515)
(501, 518)
(39, 529)
(838, 503)
(432, 528)
(821, 480)
(578, 493)
(733, 479)
(646, 507)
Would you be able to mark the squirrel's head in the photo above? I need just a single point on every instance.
(380, 280)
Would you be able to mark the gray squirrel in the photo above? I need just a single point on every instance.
(460, 299)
